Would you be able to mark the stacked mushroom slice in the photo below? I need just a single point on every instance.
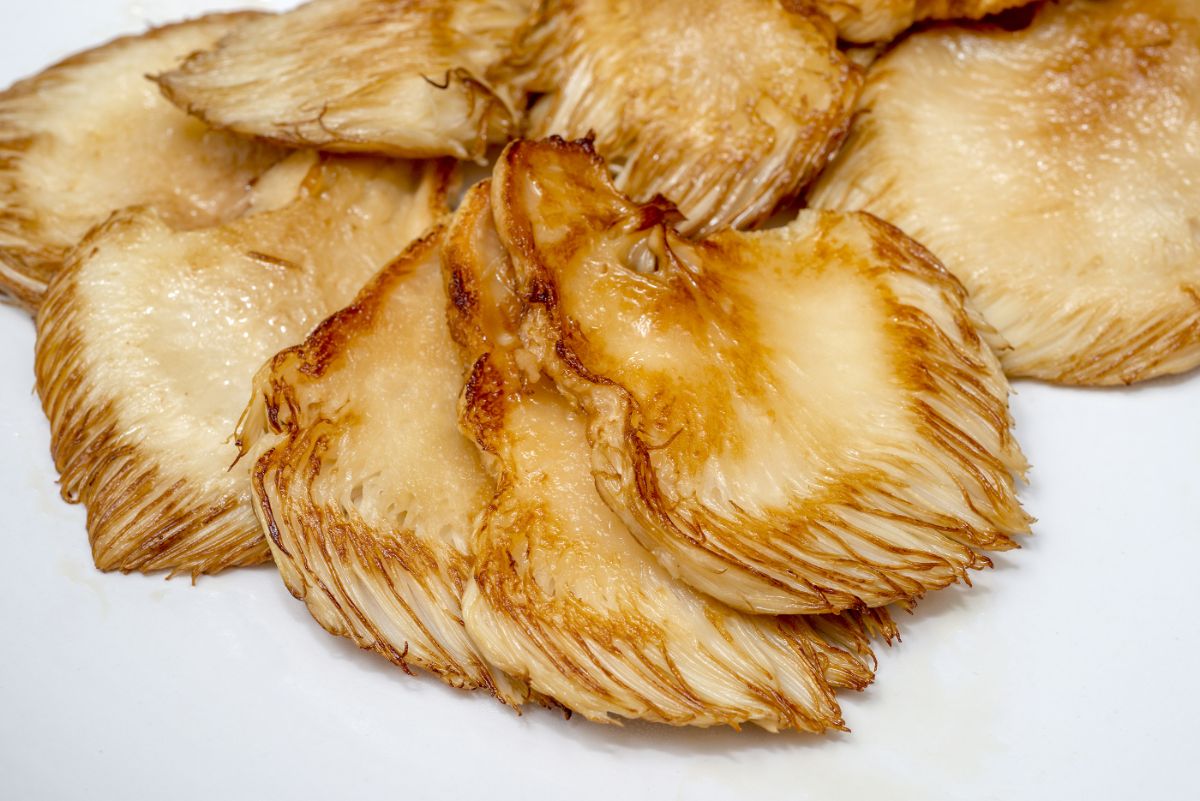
(726, 108)
(517, 579)
(401, 78)
(364, 484)
(150, 335)
(521, 567)
(91, 135)
(804, 419)
(1053, 169)
(562, 594)
(587, 440)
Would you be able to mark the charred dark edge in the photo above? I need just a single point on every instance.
(462, 290)
(925, 14)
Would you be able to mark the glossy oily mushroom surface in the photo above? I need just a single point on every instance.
(726, 109)
(397, 78)
(362, 480)
(150, 336)
(804, 419)
(564, 596)
(1052, 170)
(91, 135)
(958, 706)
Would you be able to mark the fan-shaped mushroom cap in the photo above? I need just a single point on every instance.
(726, 107)
(149, 338)
(563, 594)
(91, 135)
(366, 487)
(804, 419)
(400, 78)
(1053, 170)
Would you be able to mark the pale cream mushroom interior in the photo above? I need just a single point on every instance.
(365, 486)
(91, 135)
(726, 108)
(623, 429)
(149, 338)
(398, 78)
(800, 420)
(563, 595)
(1053, 170)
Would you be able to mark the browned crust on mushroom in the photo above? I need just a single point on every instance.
(359, 581)
(811, 555)
(619, 658)
(1128, 351)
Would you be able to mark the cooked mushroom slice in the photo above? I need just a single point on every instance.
(149, 338)
(91, 135)
(363, 482)
(803, 419)
(400, 78)
(564, 595)
(1054, 171)
(865, 21)
(726, 108)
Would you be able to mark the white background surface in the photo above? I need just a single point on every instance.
(1065, 673)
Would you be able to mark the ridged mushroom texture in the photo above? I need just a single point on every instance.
(726, 108)
(799, 420)
(365, 486)
(91, 135)
(150, 336)
(407, 78)
(1053, 170)
(562, 594)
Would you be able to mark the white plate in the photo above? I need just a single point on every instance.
(1064, 673)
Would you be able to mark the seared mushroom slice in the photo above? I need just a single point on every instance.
(398, 78)
(364, 484)
(91, 135)
(1053, 170)
(804, 419)
(563, 595)
(726, 107)
(150, 336)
